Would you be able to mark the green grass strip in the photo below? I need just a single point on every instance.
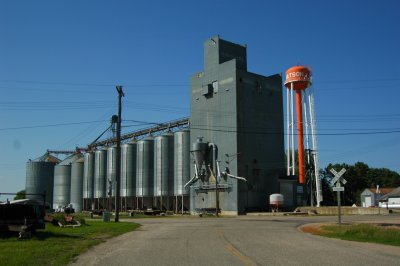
(364, 233)
(58, 246)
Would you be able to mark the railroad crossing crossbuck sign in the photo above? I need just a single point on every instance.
(338, 179)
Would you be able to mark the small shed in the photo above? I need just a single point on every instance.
(391, 200)
(370, 197)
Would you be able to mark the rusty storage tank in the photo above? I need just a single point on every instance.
(145, 167)
(164, 165)
(111, 169)
(100, 173)
(276, 201)
(181, 161)
(128, 169)
(62, 181)
(76, 197)
(88, 176)
(40, 177)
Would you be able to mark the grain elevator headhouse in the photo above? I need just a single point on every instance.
(238, 116)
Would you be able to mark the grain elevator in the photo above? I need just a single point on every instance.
(242, 114)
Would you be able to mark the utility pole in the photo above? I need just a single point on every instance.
(118, 155)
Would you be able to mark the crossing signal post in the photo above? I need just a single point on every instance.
(338, 180)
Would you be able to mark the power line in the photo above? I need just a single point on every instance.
(279, 133)
(218, 128)
(175, 84)
(356, 80)
(95, 84)
(51, 125)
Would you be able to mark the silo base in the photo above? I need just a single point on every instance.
(181, 204)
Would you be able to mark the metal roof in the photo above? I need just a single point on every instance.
(47, 158)
(382, 190)
(394, 194)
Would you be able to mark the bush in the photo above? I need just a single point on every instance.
(60, 217)
(79, 217)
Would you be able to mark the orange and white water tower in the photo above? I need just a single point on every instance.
(299, 85)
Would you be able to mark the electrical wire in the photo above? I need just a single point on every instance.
(279, 133)
(51, 125)
(95, 84)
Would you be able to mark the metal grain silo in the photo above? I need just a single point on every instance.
(144, 167)
(111, 169)
(62, 181)
(40, 177)
(181, 162)
(88, 180)
(100, 174)
(163, 169)
(128, 169)
(76, 197)
(164, 165)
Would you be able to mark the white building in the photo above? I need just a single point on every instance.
(370, 197)
(391, 200)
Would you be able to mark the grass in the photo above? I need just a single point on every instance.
(58, 246)
(363, 233)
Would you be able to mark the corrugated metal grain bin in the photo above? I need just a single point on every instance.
(100, 174)
(62, 181)
(40, 177)
(181, 162)
(111, 168)
(76, 197)
(164, 165)
(88, 176)
(128, 169)
(145, 167)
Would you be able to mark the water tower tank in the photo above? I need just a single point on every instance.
(299, 77)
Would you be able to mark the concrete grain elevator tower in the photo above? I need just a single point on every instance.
(242, 113)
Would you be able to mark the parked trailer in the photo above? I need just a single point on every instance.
(23, 216)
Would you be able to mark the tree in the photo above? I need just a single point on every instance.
(359, 177)
(328, 195)
(20, 195)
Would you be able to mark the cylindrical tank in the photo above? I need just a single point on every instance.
(111, 169)
(62, 181)
(100, 174)
(145, 167)
(276, 201)
(299, 77)
(77, 184)
(181, 162)
(128, 169)
(164, 165)
(199, 149)
(40, 178)
(88, 176)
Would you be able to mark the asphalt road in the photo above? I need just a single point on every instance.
(244, 240)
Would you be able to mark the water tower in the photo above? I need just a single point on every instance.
(299, 82)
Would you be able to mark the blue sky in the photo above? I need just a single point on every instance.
(60, 62)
